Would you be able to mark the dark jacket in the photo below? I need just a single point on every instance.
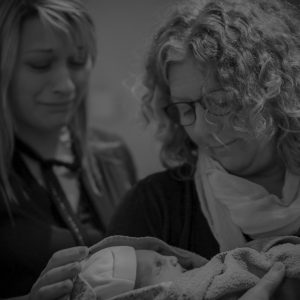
(167, 207)
(37, 230)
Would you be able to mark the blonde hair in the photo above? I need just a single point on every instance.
(67, 16)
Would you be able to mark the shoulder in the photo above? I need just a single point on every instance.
(177, 175)
(108, 146)
(167, 184)
(109, 149)
(104, 140)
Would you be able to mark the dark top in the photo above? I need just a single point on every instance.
(167, 207)
(37, 230)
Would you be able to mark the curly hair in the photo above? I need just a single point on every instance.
(255, 46)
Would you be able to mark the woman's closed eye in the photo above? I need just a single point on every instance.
(185, 110)
(40, 65)
(79, 60)
(218, 103)
(217, 100)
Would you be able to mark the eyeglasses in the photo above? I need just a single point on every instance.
(216, 105)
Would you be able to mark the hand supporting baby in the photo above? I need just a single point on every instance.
(56, 280)
(268, 284)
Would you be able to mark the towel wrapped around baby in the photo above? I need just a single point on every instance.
(226, 276)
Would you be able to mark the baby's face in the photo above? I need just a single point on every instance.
(153, 268)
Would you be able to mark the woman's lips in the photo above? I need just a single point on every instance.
(220, 146)
(55, 104)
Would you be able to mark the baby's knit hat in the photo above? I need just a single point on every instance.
(110, 271)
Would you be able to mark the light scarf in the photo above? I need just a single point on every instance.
(233, 205)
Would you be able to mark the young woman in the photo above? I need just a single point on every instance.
(59, 181)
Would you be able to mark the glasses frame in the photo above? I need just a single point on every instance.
(192, 105)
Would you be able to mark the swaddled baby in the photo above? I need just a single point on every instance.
(116, 270)
(120, 264)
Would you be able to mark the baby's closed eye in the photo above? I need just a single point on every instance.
(158, 265)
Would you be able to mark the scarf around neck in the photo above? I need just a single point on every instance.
(234, 206)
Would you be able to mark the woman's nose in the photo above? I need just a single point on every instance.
(205, 124)
(64, 83)
(200, 127)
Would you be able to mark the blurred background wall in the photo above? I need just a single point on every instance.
(124, 28)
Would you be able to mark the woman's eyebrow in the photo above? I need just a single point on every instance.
(182, 99)
(38, 51)
(188, 99)
(215, 91)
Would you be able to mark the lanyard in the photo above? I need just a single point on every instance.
(55, 190)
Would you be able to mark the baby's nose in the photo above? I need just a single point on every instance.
(173, 260)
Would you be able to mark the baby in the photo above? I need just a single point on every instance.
(121, 264)
(116, 270)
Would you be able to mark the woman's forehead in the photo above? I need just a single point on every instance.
(188, 79)
(36, 35)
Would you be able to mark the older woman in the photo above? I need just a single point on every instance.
(59, 181)
(222, 83)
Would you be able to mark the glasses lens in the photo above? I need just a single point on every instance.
(181, 113)
(218, 103)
